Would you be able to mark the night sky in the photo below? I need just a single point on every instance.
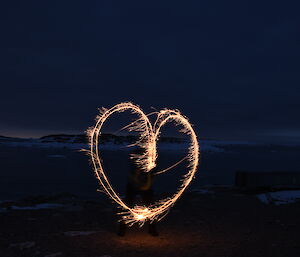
(233, 67)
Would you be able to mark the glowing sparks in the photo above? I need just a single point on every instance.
(148, 136)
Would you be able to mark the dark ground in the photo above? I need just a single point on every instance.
(221, 224)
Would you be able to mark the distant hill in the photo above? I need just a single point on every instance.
(12, 139)
(104, 138)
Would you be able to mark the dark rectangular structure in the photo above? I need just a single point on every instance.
(248, 179)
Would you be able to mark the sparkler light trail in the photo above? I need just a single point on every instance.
(148, 137)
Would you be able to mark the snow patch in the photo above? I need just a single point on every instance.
(23, 245)
(38, 206)
(54, 254)
(206, 146)
(79, 233)
(280, 197)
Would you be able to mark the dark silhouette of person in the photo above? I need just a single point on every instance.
(140, 183)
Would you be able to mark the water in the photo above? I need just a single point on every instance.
(27, 171)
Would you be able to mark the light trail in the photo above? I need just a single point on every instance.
(147, 161)
(172, 166)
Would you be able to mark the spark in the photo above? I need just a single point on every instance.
(148, 137)
(172, 166)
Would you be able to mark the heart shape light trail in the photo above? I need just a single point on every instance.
(148, 136)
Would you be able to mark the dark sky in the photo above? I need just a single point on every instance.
(231, 66)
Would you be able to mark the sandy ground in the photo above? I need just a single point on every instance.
(220, 224)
